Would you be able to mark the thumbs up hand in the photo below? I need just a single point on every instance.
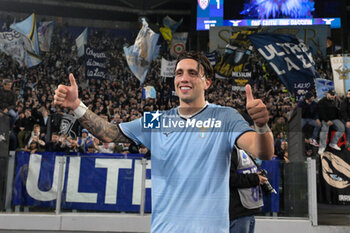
(256, 108)
(67, 96)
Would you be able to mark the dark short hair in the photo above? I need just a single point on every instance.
(331, 92)
(201, 59)
(308, 95)
(6, 81)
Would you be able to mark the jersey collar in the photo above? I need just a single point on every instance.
(194, 114)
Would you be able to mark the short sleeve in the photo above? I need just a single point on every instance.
(237, 127)
(135, 131)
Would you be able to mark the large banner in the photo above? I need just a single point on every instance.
(95, 63)
(290, 59)
(315, 36)
(11, 43)
(341, 73)
(108, 182)
(335, 177)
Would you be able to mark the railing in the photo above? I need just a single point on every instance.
(295, 183)
(56, 183)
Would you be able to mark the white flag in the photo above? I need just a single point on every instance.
(11, 43)
(178, 43)
(167, 68)
(80, 41)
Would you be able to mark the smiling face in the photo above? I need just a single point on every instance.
(190, 83)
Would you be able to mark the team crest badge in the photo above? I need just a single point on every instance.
(203, 4)
(202, 132)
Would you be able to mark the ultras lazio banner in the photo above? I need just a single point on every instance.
(108, 182)
(290, 58)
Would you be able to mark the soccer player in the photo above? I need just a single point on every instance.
(190, 146)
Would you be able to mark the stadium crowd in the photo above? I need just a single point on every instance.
(118, 97)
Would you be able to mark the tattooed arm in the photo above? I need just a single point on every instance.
(100, 128)
(67, 97)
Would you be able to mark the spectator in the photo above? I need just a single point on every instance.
(33, 148)
(73, 146)
(329, 115)
(106, 147)
(85, 140)
(345, 114)
(143, 149)
(55, 145)
(8, 100)
(43, 120)
(246, 197)
(37, 137)
(280, 126)
(282, 151)
(116, 119)
(309, 116)
(26, 126)
(91, 149)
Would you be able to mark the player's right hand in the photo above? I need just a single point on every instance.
(67, 96)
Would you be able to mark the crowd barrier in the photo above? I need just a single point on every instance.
(100, 182)
(103, 182)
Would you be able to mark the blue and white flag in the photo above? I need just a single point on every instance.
(81, 41)
(340, 64)
(323, 86)
(45, 31)
(149, 92)
(140, 55)
(172, 24)
(290, 58)
(11, 43)
(29, 33)
(212, 57)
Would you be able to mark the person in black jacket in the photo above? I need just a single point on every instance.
(55, 145)
(345, 114)
(245, 192)
(26, 126)
(329, 116)
(8, 100)
(309, 116)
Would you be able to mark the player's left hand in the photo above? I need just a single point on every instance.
(256, 108)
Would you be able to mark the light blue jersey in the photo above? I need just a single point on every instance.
(190, 168)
